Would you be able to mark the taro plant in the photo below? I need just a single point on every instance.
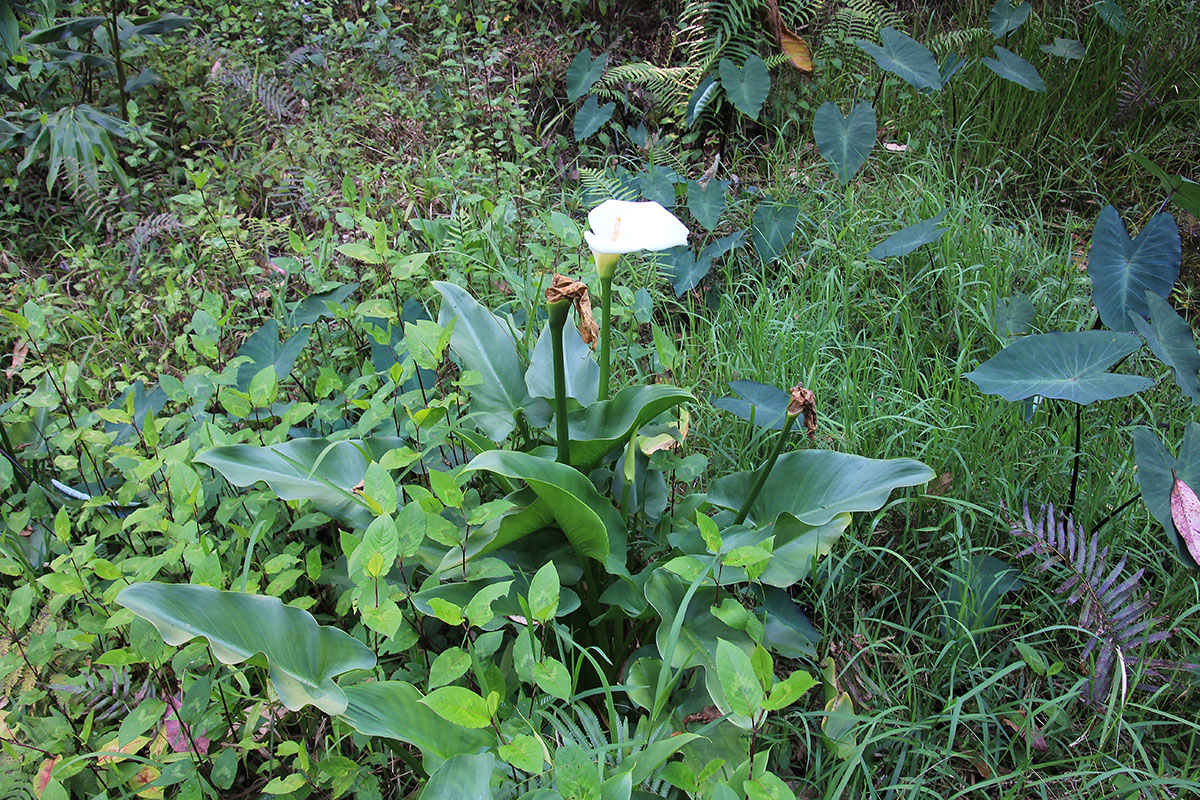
(516, 560)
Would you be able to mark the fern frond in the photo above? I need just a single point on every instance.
(109, 694)
(148, 229)
(957, 40)
(275, 97)
(1112, 609)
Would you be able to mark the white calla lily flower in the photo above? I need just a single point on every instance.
(621, 226)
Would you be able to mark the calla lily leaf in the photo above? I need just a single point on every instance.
(582, 371)
(1123, 269)
(486, 346)
(621, 226)
(392, 709)
(1064, 366)
(815, 486)
(707, 202)
(319, 470)
(601, 427)
(301, 656)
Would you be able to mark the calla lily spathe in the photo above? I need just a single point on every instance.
(621, 226)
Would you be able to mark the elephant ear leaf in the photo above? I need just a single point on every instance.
(845, 141)
(1123, 269)
(302, 657)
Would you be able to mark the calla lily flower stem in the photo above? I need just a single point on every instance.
(558, 320)
(765, 470)
(605, 332)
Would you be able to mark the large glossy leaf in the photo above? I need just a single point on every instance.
(1012, 67)
(707, 202)
(144, 403)
(156, 26)
(1123, 269)
(904, 56)
(461, 777)
(685, 269)
(586, 518)
(392, 709)
(765, 405)
(312, 469)
(591, 117)
(583, 72)
(598, 429)
(582, 372)
(1170, 338)
(772, 228)
(904, 241)
(1155, 465)
(486, 346)
(706, 92)
(786, 630)
(796, 546)
(746, 86)
(80, 26)
(301, 656)
(1004, 18)
(264, 350)
(1063, 366)
(319, 305)
(815, 486)
(696, 645)
(845, 141)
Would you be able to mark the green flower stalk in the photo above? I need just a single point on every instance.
(564, 292)
(618, 227)
(803, 403)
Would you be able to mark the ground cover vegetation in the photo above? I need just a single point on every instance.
(715, 399)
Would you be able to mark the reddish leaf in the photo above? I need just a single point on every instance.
(1185, 512)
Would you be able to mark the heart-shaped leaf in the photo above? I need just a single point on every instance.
(658, 184)
(773, 226)
(486, 346)
(1012, 316)
(685, 269)
(707, 202)
(1064, 366)
(583, 72)
(1012, 67)
(591, 117)
(319, 470)
(1113, 15)
(904, 56)
(301, 656)
(1004, 18)
(764, 405)
(1123, 269)
(815, 486)
(263, 350)
(845, 141)
(1170, 337)
(1064, 48)
(904, 241)
(316, 306)
(746, 86)
(1157, 471)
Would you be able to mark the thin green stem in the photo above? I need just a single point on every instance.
(765, 470)
(605, 332)
(558, 320)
